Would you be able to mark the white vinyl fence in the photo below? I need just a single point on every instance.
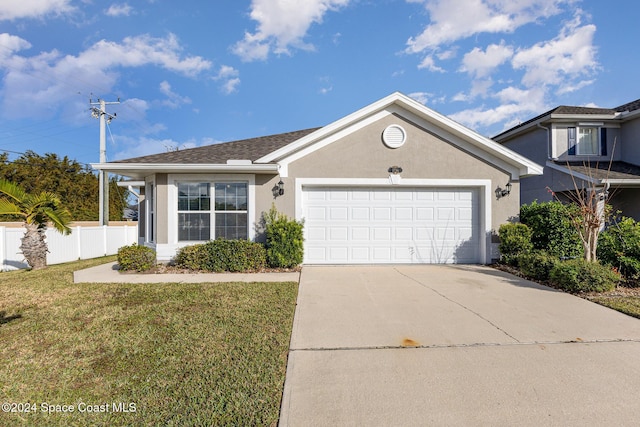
(83, 243)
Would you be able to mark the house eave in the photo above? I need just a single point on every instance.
(524, 166)
(141, 170)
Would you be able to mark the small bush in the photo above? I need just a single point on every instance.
(515, 239)
(552, 228)
(619, 246)
(223, 255)
(285, 241)
(579, 275)
(136, 257)
(537, 265)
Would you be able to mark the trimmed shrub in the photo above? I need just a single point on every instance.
(136, 257)
(537, 265)
(285, 240)
(552, 229)
(579, 275)
(222, 255)
(619, 246)
(515, 239)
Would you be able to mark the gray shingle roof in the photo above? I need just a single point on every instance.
(629, 106)
(245, 149)
(602, 170)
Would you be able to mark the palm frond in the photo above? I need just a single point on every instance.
(7, 207)
(12, 191)
(59, 217)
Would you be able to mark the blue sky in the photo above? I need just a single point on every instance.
(197, 72)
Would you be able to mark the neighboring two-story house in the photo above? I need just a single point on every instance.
(582, 148)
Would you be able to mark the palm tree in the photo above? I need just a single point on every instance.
(36, 210)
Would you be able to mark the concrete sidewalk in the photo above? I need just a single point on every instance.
(108, 273)
(455, 345)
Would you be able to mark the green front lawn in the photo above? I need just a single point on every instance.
(170, 354)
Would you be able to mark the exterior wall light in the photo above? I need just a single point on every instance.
(503, 192)
(278, 189)
(395, 170)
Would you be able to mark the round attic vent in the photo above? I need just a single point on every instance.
(394, 136)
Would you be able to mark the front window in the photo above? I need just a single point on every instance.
(194, 212)
(231, 211)
(587, 141)
(228, 213)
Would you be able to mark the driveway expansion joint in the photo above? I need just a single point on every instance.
(472, 345)
(458, 304)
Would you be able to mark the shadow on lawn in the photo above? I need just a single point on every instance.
(6, 319)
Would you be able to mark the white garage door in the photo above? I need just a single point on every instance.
(391, 225)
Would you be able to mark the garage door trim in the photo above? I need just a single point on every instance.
(482, 185)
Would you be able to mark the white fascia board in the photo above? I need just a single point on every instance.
(137, 168)
(575, 174)
(622, 182)
(330, 129)
(401, 104)
(515, 163)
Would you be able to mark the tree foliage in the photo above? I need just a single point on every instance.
(553, 228)
(75, 185)
(36, 210)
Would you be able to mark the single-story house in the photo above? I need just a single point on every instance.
(394, 182)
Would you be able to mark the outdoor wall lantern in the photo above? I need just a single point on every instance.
(278, 189)
(395, 170)
(503, 192)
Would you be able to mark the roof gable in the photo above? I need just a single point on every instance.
(414, 111)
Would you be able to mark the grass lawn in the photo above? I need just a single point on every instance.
(627, 302)
(170, 354)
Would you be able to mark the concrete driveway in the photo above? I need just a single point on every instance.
(455, 345)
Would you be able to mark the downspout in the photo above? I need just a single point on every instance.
(549, 148)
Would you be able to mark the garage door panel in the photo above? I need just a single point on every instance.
(399, 225)
(360, 214)
(361, 233)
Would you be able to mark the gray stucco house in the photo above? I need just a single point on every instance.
(582, 148)
(394, 182)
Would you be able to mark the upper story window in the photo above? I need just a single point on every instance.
(587, 141)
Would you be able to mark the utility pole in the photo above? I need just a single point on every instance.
(105, 118)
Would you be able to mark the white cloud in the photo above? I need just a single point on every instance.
(144, 50)
(282, 25)
(452, 20)
(119, 10)
(11, 44)
(173, 99)
(16, 9)
(230, 78)
(47, 83)
(515, 105)
(430, 64)
(481, 63)
(566, 57)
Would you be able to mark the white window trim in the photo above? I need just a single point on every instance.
(578, 145)
(484, 187)
(150, 225)
(212, 179)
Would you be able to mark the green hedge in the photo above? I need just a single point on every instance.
(285, 241)
(619, 246)
(552, 229)
(515, 239)
(579, 275)
(537, 265)
(136, 258)
(223, 255)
